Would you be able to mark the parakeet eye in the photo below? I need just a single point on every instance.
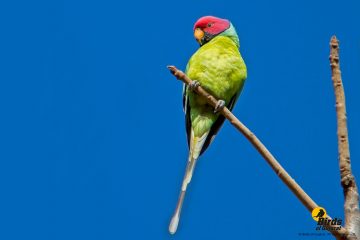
(209, 24)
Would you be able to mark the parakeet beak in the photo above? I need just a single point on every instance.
(199, 35)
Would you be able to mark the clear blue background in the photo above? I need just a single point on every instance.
(92, 138)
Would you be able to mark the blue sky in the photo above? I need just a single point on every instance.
(92, 137)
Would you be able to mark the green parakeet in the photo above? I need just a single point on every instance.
(219, 68)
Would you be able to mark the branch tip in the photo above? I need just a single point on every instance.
(171, 68)
(334, 42)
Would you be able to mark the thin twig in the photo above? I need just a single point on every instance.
(351, 194)
(270, 159)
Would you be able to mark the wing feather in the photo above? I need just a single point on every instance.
(215, 127)
(186, 107)
(218, 123)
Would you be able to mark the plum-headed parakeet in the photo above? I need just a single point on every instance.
(219, 68)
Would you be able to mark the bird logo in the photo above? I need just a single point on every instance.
(318, 212)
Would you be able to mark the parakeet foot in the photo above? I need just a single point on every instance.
(194, 84)
(219, 106)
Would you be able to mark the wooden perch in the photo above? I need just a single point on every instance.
(351, 193)
(270, 159)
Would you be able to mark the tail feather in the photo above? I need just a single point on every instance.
(196, 144)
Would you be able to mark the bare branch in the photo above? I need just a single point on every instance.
(270, 159)
(351, 194)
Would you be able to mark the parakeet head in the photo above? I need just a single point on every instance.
(208, 27)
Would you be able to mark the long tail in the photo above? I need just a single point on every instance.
(196, 144)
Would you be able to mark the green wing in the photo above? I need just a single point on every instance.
(214, 128)
(218, 123)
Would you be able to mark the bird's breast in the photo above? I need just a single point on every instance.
(218, 67)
